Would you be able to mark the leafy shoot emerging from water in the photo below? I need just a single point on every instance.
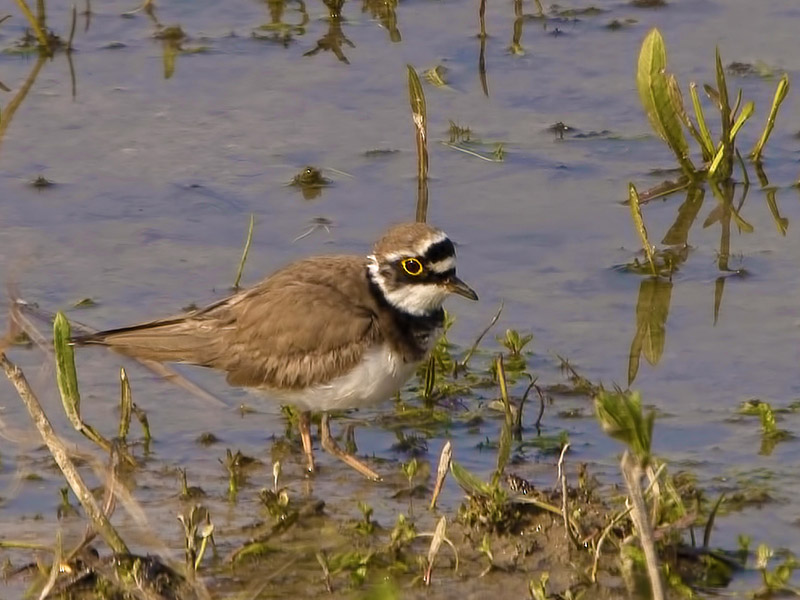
(620, 414)
(514, 341)
(777, 581)
(662, 100)
(621, 417)
(198, 530)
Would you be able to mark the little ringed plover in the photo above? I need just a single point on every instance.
(323, 333)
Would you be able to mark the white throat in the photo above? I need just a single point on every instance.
(420, 299)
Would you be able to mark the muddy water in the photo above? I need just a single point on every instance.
(155, 179)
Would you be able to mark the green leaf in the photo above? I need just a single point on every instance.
(638, 221)
(503, 452)
(653, 86)
(724, 101)
(470, 483)
(676, 98)
(705, 134)
(417, 99)
(66, 375)
(420, 116)
(620, 415)
(780, 96)
(746, 113)
(248, 240)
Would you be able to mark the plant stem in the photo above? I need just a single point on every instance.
(59, 452)
(632, 473)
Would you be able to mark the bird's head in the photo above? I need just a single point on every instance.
(414, 266)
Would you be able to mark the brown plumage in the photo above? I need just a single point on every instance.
(301, 326)
(321, 333)
(267, 335)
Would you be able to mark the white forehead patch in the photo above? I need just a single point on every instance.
(444, 265)
(423, 245)
(419, 249)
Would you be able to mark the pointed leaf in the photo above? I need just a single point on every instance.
(620, 415)
(746, 113)
(470, 483)
(638, 221)
(705, 134)
(651, 81)
(676, 98)
(780, 96)
(66, 375)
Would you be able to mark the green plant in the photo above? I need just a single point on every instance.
(514, 342)
(662, 101)
(775, 582)
(620, 414)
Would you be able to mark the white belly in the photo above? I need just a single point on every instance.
(379, 375)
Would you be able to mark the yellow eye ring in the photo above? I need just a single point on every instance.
(412, 266)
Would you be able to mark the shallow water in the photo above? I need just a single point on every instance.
(155, 179)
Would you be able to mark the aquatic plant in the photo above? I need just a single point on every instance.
(662, 100)
(419, 115)
(621, 417)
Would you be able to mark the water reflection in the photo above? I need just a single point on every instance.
(652, 307)
(11, 107)
(678, 233)
(279, 31)
(385, 12)
(335, 38)
(482, 66)
(516, 37)
(652, 310)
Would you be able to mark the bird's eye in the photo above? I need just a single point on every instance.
(412, 266)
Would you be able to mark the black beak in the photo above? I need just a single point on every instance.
(456, 286)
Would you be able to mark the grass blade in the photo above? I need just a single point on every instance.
(245, 252)
(746, 113)
(638, 221)
(724, 100)
(705, 134)
(125, 404)
(470, 483)
(780, 96)
(419, 114)
(723, 162)
(676, 98)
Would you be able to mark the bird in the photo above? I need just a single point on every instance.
(322, 333)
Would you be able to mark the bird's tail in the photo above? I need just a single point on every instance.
(168, 340)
